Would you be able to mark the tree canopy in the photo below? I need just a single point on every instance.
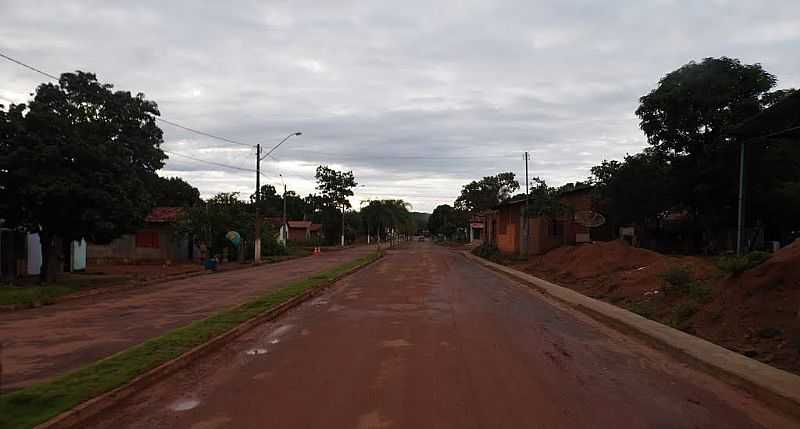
(445, 220)
(487, 192)
(174, 192)
(692, 166)
(77, 161)
(381, 216)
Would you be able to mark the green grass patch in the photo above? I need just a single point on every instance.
(677, 276)
(27, 292)
(33, 405)
(682, 314)
(738, 264)
(488, 251)
(644, 309)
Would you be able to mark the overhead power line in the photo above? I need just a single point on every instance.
(157, 118)
(219, 164)
(421, 157)
(27, 66)
(202, 133)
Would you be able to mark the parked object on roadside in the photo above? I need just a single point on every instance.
(211, 264)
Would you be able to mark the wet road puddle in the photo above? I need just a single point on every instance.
(184, 404)
(280, 331)
(275, 341)
(256, 352)
(396, 343)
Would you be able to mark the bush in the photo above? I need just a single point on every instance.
(644, 309)
(739, 264)
(488, 251)
(682, 314)
(677, 276)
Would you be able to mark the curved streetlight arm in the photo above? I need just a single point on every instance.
(281, 142)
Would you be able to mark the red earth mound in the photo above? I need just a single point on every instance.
(613, 269)
(757, 312)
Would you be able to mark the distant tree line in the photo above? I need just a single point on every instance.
(80, 161)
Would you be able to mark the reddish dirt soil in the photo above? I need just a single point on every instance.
(143, 271)
(425, 338)
(44, 342)
(755, 313)
(612, 270)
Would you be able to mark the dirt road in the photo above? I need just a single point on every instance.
(427, 339)
(47, 341)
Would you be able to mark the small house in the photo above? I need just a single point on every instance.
(155, 242)
(577, 224)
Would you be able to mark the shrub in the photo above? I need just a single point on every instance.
(698, 291)
(644, 308)
(488, 251)
(677, 276)
(739, 264)
(682, 314)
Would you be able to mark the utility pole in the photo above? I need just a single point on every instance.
(740, 226)
(284, 227)
(526, 227)
(257, 255)
(343, 208)
(257, 241)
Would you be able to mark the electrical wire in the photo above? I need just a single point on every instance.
(157, 118)
(421, 157)
(219, 164)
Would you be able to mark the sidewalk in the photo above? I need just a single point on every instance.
(48, 341)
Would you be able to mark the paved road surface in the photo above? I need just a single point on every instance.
(40, 343)
(427, 339)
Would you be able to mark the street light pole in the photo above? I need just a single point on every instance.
(259, 158)
(284, 229)
(257, 241)
(526, 238)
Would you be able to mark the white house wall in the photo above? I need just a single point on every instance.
(34, 248)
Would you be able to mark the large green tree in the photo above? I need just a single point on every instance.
(335, 188)
(692, 162)
(174, 192)
(382, 216)
(77, 162)
(486, 193)
(446, 220)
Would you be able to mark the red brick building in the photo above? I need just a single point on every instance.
(505, 224)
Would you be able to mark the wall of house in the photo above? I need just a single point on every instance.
(507, 235)
(546, 234)
(148, 249)
(297, 234)
(579, 201)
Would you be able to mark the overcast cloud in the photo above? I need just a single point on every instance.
(416, 98)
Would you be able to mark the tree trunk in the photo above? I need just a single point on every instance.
(51, 257)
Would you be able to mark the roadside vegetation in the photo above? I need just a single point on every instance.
(738, 264)
(33, 405)
(25, 293)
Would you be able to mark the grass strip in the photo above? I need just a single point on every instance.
(28, 292)
(40, 402)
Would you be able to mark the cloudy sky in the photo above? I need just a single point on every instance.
(417, 98)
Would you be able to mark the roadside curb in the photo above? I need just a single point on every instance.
(776, 388)
(74, 417)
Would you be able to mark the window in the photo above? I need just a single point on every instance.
(147, 239)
